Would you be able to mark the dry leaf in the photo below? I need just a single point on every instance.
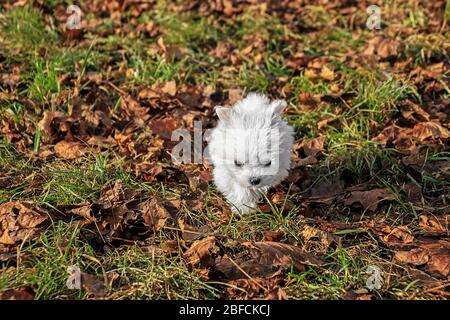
(313, 146)
(326, 73)
(155, 214)
(398, 236)
(164, 127)
(281, 254)
(69, 150)
(170, 88)
(434, 255)
(437, 226)
(381, 47)
(23, 293)
(19, 222)
(190, 232)
(93, 284)
(201, 251)
(326, 238)
(416, 256)
(45, 124)
(368, 199)
(425, 130)
(273, 235)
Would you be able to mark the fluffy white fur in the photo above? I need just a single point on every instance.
(250, 150)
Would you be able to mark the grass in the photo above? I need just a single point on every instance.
(25, 28)
(147, 276)
(133, 63)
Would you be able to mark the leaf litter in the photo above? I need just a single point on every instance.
(99, 112)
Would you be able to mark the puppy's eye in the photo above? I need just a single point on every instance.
(238, 164)
(267, 164)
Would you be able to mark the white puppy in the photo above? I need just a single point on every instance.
(250, 150)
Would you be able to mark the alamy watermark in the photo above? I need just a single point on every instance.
(375, 280)
(74, 18)
(374, 19)
(74, 277)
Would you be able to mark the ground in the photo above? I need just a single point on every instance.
(87, 181)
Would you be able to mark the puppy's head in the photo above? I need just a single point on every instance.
(253, 142)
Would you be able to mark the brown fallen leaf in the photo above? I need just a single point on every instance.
(434, 255)
(414, 159)
(413, 192)
(148, 171)
(361, 294)
(424, 279)
(326, 192)
(93, 284)
(313, 146)
(133, 108)
(434, 130)
(148, 93)
(84, 211)
(398, 236)
(280, 199)
(326, 73)
(241, 267)
(406, 138)
(273, 235)
(400, 137)
(170, 88)
(420, 163)
(23, 293)
(101, 142)
(19, 222)
(69, 150)
(325, 122)
(155, 214)
(45, 124)
(439, 264)
(190, 232)
(6, 252)
(433, 71)
(198, 180)
(417, 256)
(308, 101)
(192, 97)
(221, 51)
(326, 239)
(435, 226)
(172, 246)
(276, 293)
(112, 193)
(439, 261)
(309, 160)
(116, 217)
(414, 112)
(381, 47)
(281, 254)
(201, 252)
(267, 260)
(153, 250)
(256, 288)
(368, 199)
(164, 127)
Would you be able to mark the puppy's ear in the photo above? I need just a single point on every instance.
(224, 114)
(277, 107)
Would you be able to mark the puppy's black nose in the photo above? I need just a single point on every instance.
(254, 181)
